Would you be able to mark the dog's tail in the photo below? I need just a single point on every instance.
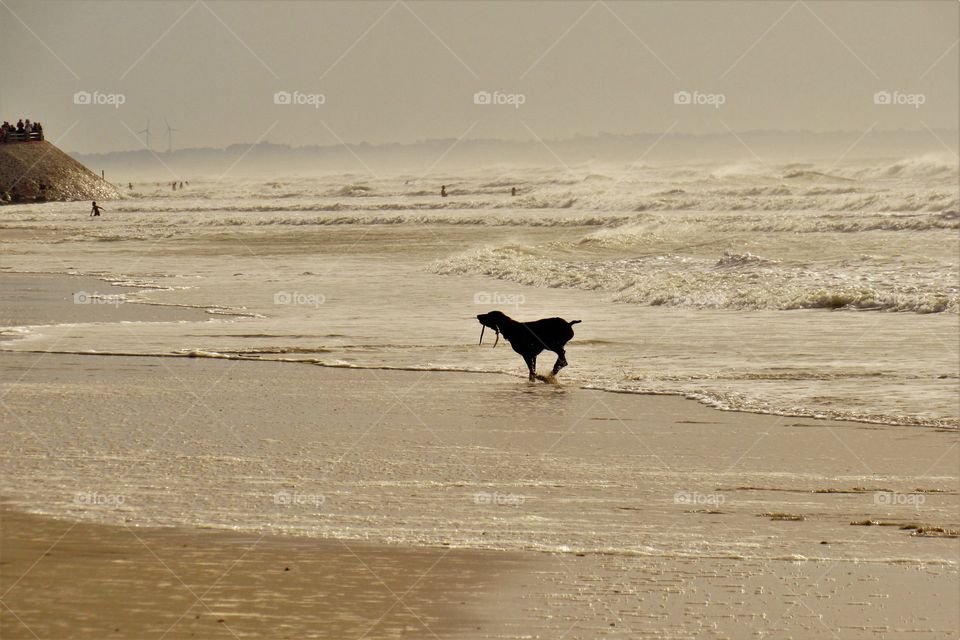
(573, 322)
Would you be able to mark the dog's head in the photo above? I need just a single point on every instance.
(494, 320)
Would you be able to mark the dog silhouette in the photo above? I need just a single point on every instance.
(529, 339)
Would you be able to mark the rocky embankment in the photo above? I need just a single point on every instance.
(39, 172)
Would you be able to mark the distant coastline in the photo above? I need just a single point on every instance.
(639, 149)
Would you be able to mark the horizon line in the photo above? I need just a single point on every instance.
(578, 136)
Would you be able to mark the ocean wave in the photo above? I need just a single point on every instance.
(776, 190)
(618, 198)
(932, 213)
(812, 175)
(733, 260)
(930, 165)
(735, 402)
(732, 281)
(926, 166)
(417, 220)
(826, 191)
(720, 294)
(823, 223)
(351, 191)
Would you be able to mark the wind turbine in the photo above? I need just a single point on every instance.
(170, 131)
(147, 132)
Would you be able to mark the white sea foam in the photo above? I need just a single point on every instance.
(726, 281)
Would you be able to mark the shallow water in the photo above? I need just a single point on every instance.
(795, 289)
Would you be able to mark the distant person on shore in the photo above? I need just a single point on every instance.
(443, 191)
(513, 191)
(94, 209)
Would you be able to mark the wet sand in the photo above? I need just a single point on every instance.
(489, 507)
(65, 579)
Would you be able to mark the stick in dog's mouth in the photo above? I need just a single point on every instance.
(483, 328)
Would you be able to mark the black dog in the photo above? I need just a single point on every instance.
(530, 338)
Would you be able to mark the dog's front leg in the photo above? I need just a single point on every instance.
(532, 367)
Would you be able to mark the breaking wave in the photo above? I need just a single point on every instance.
(731, 281)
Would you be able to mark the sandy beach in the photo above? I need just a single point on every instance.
(143, 492)
(526, 320)
(77, 580)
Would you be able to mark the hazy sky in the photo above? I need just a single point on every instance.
(406, 71)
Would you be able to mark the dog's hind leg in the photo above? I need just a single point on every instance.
(560, 363)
